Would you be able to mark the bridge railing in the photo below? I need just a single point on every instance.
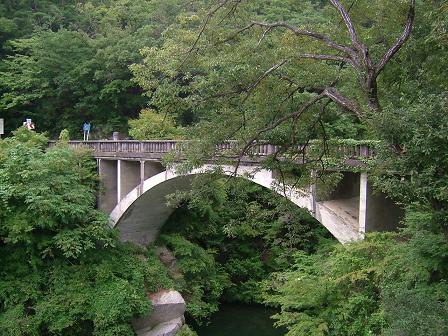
(166, 146)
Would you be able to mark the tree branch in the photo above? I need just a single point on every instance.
(263, 76)
(349, 23)
(339, 99)
(264, 35)
(322, 57)
(400, 41)
(252, 141)
(201, 32)
(298, 32)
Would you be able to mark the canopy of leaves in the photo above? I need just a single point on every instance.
(62, 269)
(64, 63)
(251, 84)
(151, 125)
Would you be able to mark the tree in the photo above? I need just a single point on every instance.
(276, 80)
(62, 269)
(268, 80)
(153, 126)
(68, 63)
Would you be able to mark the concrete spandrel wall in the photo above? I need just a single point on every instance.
(347, 188)
(152, 168)
(129, 176)
(382, 213)
(108, 187)
(142, 221)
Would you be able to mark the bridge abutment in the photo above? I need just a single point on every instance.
(108, 195)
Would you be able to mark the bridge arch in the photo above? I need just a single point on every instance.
(140, 214)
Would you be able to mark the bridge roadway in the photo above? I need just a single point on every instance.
(135, 185)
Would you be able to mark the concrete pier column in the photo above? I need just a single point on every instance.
(313, 192)
(376, 211)
(142, 178)
(119, 181)
(107, 199)
(128, 177)
(363, 195)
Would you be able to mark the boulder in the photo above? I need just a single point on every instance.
(169, 328)
(168, 305)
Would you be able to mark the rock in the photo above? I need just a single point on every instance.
(168, 305)
(169, 328)
(169, 261)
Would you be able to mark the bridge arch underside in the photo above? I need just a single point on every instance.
(142, 221)
(140, 215)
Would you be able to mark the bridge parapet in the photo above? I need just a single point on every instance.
(156, 149)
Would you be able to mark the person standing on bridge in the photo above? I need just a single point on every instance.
(29, 124)
(86, 130)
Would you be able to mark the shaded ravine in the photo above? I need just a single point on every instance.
(242, 320)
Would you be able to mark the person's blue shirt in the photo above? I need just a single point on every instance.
(86, 127)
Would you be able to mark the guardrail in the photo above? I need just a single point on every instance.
(166, 146)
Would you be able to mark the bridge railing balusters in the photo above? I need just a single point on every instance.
(166, 146)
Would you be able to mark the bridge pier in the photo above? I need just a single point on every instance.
(363, 196)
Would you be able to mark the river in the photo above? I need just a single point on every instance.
(241, 320)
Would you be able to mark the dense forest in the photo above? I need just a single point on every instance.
(287, 72)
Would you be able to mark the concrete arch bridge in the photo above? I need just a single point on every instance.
(135, 184)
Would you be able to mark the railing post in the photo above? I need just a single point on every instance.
(363, 194)
(364, 151)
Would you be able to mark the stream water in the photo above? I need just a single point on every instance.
(241, 320)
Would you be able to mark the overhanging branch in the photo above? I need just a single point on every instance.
(400, 41)
(297, 31)
(345, 102)
(209, 16)
(349, 23)
(322, 57)
(263, 76)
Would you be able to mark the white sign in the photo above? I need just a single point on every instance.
(2, 128)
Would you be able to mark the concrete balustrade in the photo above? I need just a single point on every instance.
(156, 149)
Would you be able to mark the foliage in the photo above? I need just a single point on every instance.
(186, 331)
(204, 279)
(368, 288)
(250, 84)
(151, 125)
(47, 201)
(250, 232)
(64, 63)
(62, 269)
